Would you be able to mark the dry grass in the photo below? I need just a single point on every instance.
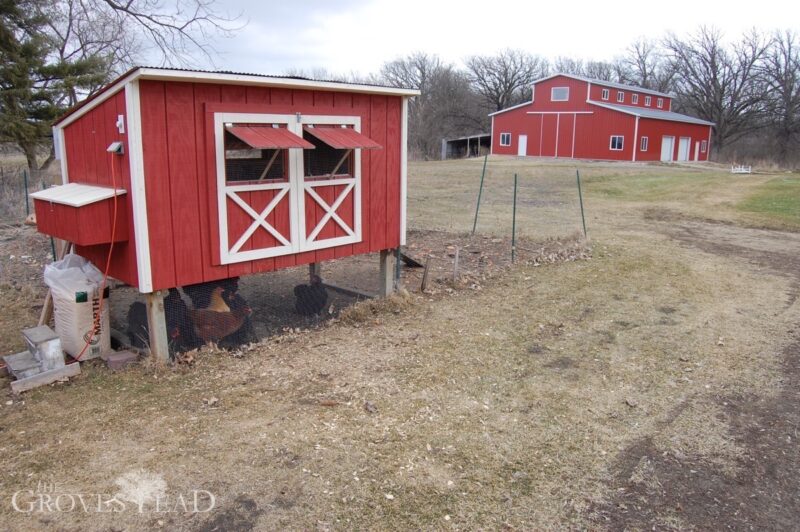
(501, 407)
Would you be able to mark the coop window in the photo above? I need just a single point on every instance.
(660, 103)
(616, 142)
(648, 100)
(605, 94)
(505, 139)
(559, 94)
(333, 150)
(620, 96)
(703, 146)
(634, 99)
(258, 152)
(643, 144)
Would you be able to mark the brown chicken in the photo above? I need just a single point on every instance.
(218, 320)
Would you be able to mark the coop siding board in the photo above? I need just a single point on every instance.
(238, 220)
(392, 150)
(378, 173)
(362, 106)
(157, 178)
(185, 207)
(303, 102)
(205, 95)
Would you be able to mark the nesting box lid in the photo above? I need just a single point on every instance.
(77, 194)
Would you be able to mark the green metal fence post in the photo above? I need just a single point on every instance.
(514, 223)
(480, 191)
(580, 198)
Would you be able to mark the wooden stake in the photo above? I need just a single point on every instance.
(315, 268)
(157, 326)
(424, 285)
(386, 276)
(455, 266)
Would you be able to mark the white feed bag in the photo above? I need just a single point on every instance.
(75, 286)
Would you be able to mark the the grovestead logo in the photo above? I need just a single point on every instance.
(137, 491)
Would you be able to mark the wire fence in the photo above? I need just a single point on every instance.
(445, 196)
(14, 187)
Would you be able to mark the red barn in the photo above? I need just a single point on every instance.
(218, 175)
(575, 117)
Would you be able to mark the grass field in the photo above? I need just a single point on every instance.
(644, 387)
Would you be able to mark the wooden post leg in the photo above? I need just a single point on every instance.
(157, 326)
(315, 268)
(386, 278)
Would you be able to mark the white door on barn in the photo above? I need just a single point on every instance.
(684, 145)
(522, 146)
(667, 148)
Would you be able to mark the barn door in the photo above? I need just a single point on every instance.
(255, 180)
(330, 198)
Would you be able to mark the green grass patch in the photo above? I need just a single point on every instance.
(778, 199)
(653, 187)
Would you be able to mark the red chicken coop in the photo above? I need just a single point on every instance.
(202, 176)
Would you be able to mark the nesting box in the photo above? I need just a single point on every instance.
(220, 175)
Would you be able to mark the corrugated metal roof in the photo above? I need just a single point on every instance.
(77, 194)
(224, 76)
(343, 138)
(644, 112)
(266, 137)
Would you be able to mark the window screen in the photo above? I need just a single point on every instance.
(243, 163)
(616, 142)
(323, 159)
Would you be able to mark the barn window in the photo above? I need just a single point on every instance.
(703, 146)
(643, 144)
(648, 100)
(258, 152)
(559, 94)
(620, 96)
(605, 94)
(616, 142)
(634, 99)
(505, 139)
(660, 103)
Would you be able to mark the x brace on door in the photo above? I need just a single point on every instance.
(330, 210)
(260, 219)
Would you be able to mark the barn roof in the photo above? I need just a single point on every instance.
(234, 78)
(655, 114)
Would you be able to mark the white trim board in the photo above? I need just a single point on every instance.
(404, 170)
(138, 195)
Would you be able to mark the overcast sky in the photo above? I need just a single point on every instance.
(359, 35)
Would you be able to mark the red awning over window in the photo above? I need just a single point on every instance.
(266, 137)
(343, 138)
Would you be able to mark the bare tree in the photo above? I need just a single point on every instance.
(719, 84)
(505, 79)
(781, 70)
(602, 70)
(569, 65)
(645, 65)
(446, 106)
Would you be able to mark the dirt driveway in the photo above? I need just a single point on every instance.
(656, 488)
